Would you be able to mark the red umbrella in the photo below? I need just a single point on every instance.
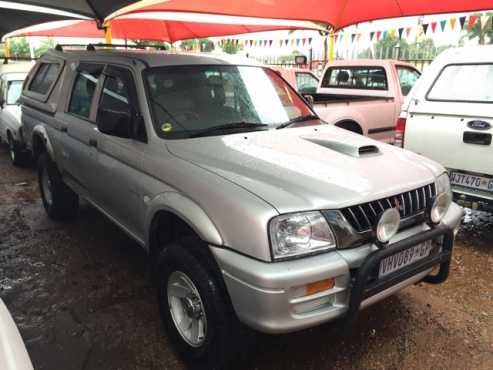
(163, 26)
(337, 13)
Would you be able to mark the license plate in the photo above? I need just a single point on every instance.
(405, 258)
(471, 181)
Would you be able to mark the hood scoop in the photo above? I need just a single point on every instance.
(347, 149)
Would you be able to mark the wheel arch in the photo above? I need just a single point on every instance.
(351, 125)
(41, 142)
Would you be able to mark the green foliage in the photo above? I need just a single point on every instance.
(288, 59)
(152, 43)
(44, 47)
(204, 45)
(231, 47)
(485, 34)
(393, 47)
(19, 48)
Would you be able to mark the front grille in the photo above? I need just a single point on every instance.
(363, 217)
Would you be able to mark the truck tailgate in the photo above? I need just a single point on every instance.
(452, 134)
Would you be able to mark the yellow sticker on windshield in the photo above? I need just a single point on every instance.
(166, 127)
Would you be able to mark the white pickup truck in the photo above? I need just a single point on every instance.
(364, 96)
(448, 117)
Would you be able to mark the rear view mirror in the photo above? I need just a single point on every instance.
(115, 123)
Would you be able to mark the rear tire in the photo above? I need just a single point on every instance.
(191, 288)
(60, 202)
(17, 156)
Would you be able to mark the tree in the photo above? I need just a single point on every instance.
(484, 34)
(231, 47)
(151, 43)
(204, 45)
(44, 47)
(19, 48)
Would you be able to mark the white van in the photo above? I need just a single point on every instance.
(448, 117)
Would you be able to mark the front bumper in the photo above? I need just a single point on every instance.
(269, 297)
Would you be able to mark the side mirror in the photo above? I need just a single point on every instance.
(309, 100)
(115, 123)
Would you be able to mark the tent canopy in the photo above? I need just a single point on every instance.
(337, 13)
(13, 19)
(169, 27)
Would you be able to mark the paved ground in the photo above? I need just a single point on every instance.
(80, 295)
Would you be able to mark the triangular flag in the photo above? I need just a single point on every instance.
(443, 24)
(297, 42)
(353, 35)
(303, 41)
(472, 21)
(401, 30)
(392, 33)
(385, 34)
(292, 42)
(433, 27)
(453, 21)
(462, 21)
(425, 27)
(280, 43)
(408, 31)
(358, 36)
(484, 21)
(286, 42)
(371, 35)
(270, 43)
(309, 40)
(379, 33)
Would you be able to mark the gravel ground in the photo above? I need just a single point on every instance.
(81, 297)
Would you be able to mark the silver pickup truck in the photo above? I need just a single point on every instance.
(252, 210)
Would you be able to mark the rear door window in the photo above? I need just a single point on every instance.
(407, 78)
(367, 78)
(306, 82)
(463, 83)
(14, 89)
(84, 89)
(44, 78)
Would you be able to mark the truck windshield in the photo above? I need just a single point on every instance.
(200, 100)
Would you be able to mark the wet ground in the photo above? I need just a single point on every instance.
(81, 297)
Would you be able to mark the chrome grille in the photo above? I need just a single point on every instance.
(363, 217)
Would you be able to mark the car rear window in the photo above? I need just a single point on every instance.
(367, 78)
(463, 83)
(44, 78)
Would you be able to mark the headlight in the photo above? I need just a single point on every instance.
(297, 234)
(388, 225)
(442, 200)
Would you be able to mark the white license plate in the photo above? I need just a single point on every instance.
(471, 181)
(405, 258)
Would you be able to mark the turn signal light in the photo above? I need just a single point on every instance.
(319, 286)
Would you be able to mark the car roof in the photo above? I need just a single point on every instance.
(155, 58)
(467, 54)
(370, 62)
(16, 67)
(14, 76)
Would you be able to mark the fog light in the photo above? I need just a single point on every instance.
(319, 286)
(388, 225)
(440, 207)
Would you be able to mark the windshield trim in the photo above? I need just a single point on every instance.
(152, 113)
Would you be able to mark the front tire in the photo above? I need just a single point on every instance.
(195, 308)
(60, 202)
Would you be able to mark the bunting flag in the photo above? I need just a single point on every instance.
(353, 35)
(484, 21)
(401, 30)
(443, 24)
(379, 33)
(297, 42)
(433, 27)
(392, 33)
(286, 42)
(371, 35)
(472, 21)
(303, 42)
(462, 21)
(408, 31)
(453, 21)
(385, 34)
(358, 36)
(309, 41)
(270, 43)
(425, 27)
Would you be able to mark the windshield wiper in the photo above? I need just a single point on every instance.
(308, 117)
(229, 126)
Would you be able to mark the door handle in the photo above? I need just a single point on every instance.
(64, 129)
(93, 142)
(477, 138)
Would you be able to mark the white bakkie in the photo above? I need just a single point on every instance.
(448, 117)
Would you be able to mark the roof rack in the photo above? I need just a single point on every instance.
(92, 47)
